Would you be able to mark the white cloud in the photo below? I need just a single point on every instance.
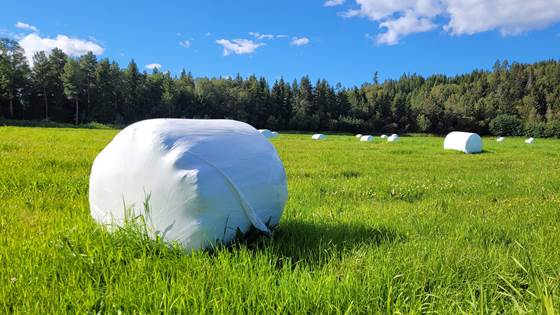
(185, 43)
(260, 36)
(153, 66)
(402, 26)
(334, 3)
(301, 41)
(238, 46)
(510, 17)
(382, 9)
(402, 18)
(33, 43)
(25, 26)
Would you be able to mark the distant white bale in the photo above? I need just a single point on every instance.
(274, 134)
(266, 133)
(500, 139)
(195, 181)
(463, 141)
(383, 136)
(359, 135)
(366, 138)
(393, 138)
(530, 140)
(318, 136)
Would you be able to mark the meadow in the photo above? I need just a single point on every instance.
(368, 228)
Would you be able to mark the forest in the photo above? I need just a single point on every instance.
(511, 99)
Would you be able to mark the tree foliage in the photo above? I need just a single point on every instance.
(512, 98)
(506, 125)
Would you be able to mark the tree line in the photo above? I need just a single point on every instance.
(511, 99)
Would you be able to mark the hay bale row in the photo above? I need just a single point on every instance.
(469, 142)
(457, 140)
(528, 141)
(368, 138)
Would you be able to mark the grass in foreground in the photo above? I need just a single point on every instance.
(369, 228)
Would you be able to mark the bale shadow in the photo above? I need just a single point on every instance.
(454, 152)
(315, 244)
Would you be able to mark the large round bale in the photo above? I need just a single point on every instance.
(383, 136)
(266, 133)
(530, 140)
(196, 182)
(366, 138)
(359, 135)
(275, 134)
(463, 141)
(500, 139)
(318, 136)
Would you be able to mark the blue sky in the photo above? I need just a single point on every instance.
(341, 41)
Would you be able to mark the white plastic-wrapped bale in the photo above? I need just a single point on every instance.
(383, 136)
(266, 133)
(530, 140)
(393, 138)
(318, 136)
(463, 141)
(196, 182)
(274, 134)
(366, 138)
(500, 139)
(359, 135)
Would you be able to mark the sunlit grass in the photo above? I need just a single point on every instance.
(369, 227)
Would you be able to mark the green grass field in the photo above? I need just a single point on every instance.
(369, 228)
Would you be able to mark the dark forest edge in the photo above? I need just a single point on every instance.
(54, 124)
(512, 99)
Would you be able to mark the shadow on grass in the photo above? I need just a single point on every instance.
(318, 243)
(455, 152)
(293, 243)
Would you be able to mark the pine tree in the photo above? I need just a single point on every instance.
(88, 64)
(14, 73)
(42, 78)
(132, 91)
(57, 61)
(73, 81)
